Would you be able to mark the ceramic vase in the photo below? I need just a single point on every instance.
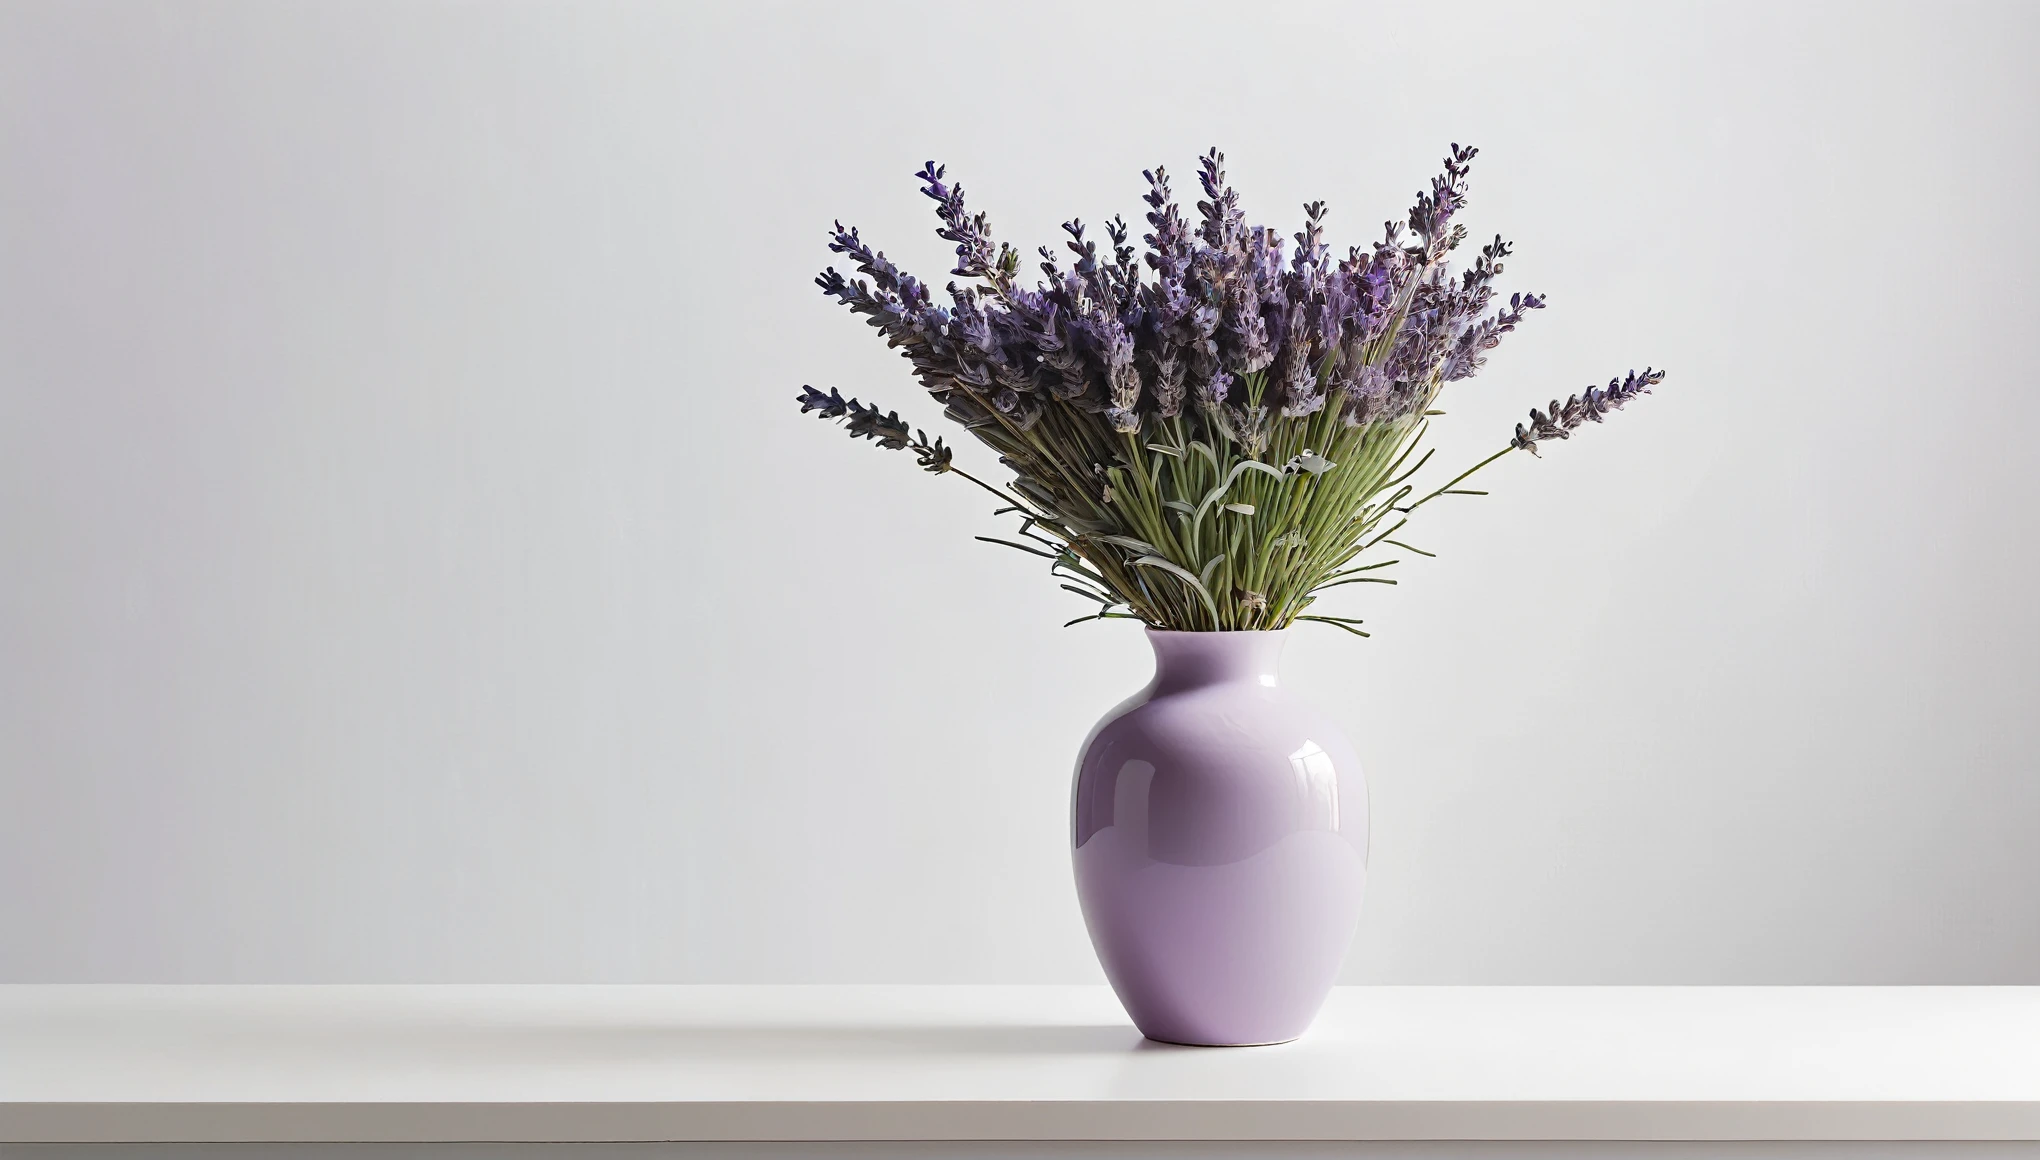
(1220, 831)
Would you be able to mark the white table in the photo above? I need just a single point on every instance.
(1010, 1071)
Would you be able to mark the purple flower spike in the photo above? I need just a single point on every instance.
(1594, 403)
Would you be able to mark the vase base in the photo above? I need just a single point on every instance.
(1242, 1043)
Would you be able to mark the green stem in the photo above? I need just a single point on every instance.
(1456, 479)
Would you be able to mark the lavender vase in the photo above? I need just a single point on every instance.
(1221, 845)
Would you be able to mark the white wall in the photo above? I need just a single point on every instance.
(415, 567)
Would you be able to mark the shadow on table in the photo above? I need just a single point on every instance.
(726, 1044)
(442, 1040)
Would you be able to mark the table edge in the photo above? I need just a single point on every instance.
(1018, 1120)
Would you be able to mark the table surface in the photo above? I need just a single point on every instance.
(600, 1063)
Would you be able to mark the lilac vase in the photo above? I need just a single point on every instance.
(1221, 845)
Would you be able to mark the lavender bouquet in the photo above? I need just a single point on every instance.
(1211, 433)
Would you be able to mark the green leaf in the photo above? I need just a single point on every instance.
(1338, 622)
(1232, 477)
(1355, 580)
(1412, 471)
(1078, 570)
(1187, 576)
(1021, 547)
(1109, 616)
(1363, 568)
(1132, 545)
(1104, 600)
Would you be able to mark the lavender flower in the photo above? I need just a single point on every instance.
(1594, 403)
(1135, 390)
(1224, 224)
(887, 429)
(972, 234)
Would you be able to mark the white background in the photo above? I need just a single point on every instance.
(413, 566)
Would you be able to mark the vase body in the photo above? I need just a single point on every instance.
(1220, 830)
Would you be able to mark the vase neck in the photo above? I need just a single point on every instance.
(1188, 660)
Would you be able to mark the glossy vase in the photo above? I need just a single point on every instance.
(1221, 845)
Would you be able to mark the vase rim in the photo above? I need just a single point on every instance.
(1153, 631)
